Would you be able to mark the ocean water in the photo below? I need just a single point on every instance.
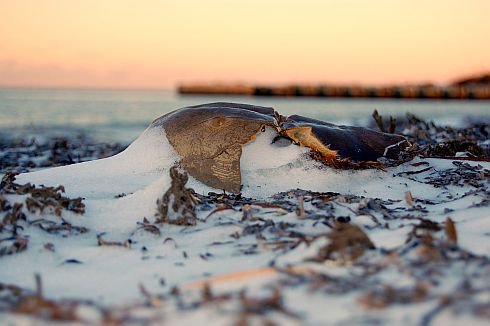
(121, 115)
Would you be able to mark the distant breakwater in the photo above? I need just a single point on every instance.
(480, 92)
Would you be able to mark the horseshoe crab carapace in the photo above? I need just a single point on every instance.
(209, 139)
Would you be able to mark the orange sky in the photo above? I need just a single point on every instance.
(158, 44)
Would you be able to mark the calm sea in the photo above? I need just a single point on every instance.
(121, 115)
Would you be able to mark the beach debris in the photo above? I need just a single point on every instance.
(300, 211)
(36, 305)
(209, 140)
(462, 174)
(223, 207)
(346, 242)
(23, 154)
(15, 245)
(42, 197)
(4, 204)
(409, 198)
(453, 147)
(342, 146)
(248, 213)
(178, 204)
(13, 216)
(209, 297)
(39, 200)
(151, 300)
(451, 233)
(49, 246)
(147, 226)
(273, 303)
(101, 242)
(447, 142)
(381, 125)
(64, 228)
(386, 295)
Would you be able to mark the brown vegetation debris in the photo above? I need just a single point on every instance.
(37, 305)
(56, 228)
(42, 197)
(151, 300)
(451, 147)
(4, 204)
(347, 163)
(178, 204)
(451, 232)
(17, 153)
(387, 295)
(445, 142)
(18, 300)
(463, 174)
(148, 227)
(207, 295)
(414, 172)
(12, 218)
(381, 125)
(219, 208)
(432, 248)
(101, 242)
(261, 306)
(300, 210)
(19, 244)
(409, 198)
(347, 242)
(49, 246)
(425, 226)
(247, 213)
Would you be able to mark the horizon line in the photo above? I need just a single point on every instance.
(211, 82)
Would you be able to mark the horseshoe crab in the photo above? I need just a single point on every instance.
(209, 139)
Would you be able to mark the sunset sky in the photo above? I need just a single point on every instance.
(159, 44)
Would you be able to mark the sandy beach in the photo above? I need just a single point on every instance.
(302, 244)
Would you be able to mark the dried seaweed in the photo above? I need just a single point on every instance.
(178, 204)
(262, 306)
(39, 200)
(451, 233)
(387, 295)
(347, 242)
(24, 154)
(17, 244)
(380, 123)
(462, 174)
(64, 228)
(42, 197)
(439, 141)
(101, 242)
(221, 208)
(148, 227)
(13, 216)
(20, 301)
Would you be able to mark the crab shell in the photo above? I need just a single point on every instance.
(335, 142)
(209, 139)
